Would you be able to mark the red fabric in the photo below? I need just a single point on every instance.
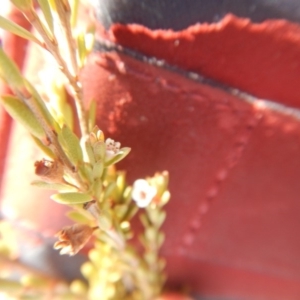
(234, 215)
(17, 54)
(262, 59)
(234, 170)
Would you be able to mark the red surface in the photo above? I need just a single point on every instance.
(9, 43)
(234, 216)
(173, 296)
(233, 221)
(262, 59)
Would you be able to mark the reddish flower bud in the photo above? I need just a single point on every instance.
(50, 171)
(73, 238)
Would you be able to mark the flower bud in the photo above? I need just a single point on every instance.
(50, 171)
(73, 238)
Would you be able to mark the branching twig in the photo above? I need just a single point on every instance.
(52, 46)
(64, 12)
(95, 177)
(51, 136)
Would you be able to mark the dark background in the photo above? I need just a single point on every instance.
(178, 14)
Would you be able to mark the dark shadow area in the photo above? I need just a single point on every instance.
(178, 14)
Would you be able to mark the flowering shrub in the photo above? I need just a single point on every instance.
(81, 168)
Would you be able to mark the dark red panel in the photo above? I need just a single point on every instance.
(262, 59)
(234, 166)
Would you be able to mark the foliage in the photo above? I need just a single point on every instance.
(81, 168)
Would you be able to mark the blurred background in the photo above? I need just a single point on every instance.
(209, 91)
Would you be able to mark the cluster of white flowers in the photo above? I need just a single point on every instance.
(112, 148)
(143, 193)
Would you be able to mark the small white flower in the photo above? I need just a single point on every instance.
(112, 148)
(143, 193)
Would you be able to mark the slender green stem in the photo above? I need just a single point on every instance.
(52, 139)
(64, 12)
(52, 46)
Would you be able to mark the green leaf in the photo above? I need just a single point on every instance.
(105, 220)
(82, 52)
(150, 258)
(107, 240)
(121, 210)
(121, 181)
(92, 115)
(144, 220)
(88, 151)
(86, 172)
(97, 188)
(72, 145)
(99, 149)
(108, 190)
(160, 218)
(60, 109)
(20, 112)
(78, 217)
(52, 186)
(150, 234)
(157, 217)
(74, 10)
(71, 198)
(98, 168)
(127, 194)
(41, 105)
(44, 148)
(152, 214)
(22, 5)
(45, 7)
(52, 5)
(165, 198)
(9, 71)
(133, 209)
(119, 156)
(68, 115)
(14, 28)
